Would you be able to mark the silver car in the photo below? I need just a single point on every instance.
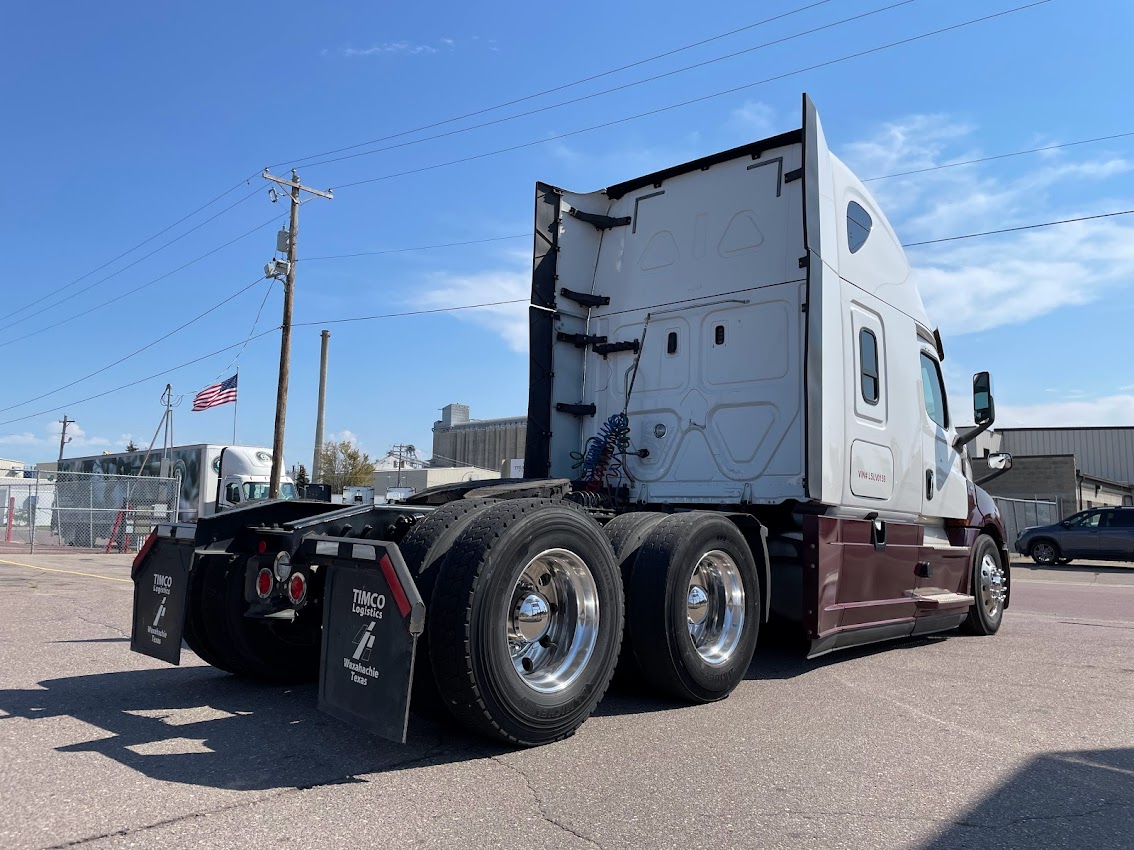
(1098, 534)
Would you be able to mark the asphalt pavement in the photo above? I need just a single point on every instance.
(1022, 740)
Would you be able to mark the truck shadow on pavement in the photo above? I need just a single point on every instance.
(198, 726)
(1059, 799)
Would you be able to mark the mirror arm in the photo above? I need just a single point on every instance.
(996, 473)
(961, 441)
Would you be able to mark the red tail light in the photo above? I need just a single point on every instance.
(264, 583)
(296, 588)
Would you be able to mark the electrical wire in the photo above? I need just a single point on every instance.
(409, 313)
(1016, 229)
(612, 90)
(146, 285)
(999, 156)
(126, 253)
(251, 333)
(137, 351)
(297, 162)
(77, 293)
(703, 98)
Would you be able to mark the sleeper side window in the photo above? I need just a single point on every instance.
(868, 360)
(859, 224)
(933, 388)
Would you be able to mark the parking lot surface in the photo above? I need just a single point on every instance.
(1023, 740)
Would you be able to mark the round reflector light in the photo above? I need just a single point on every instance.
(264, 583)
(296, 588)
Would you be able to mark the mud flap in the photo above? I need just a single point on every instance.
(372, 617)
(161, 587)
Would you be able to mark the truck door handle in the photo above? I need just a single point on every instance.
(929, 485)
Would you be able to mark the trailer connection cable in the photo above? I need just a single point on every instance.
(601, 458)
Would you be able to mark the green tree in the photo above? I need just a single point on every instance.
(132, 447)
(343, 464)
(301, 479)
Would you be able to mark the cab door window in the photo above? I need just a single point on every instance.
(933, 389)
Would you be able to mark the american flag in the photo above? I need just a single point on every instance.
(217, 394)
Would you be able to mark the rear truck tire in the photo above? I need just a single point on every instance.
(695, 595)
(526, 622)
(626, 534)
(255, 649)
(1044, 552)
(988, 587)
(423, 549)
(197, 611)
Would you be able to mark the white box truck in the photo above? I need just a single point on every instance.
(736, 419)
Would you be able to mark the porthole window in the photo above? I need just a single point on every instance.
(859, 223)
(671, 343)
(868, 359)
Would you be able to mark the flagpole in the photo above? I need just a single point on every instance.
(235, 404)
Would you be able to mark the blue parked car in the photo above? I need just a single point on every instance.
(1098, 534)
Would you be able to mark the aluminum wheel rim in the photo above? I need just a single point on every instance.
(553, 617)
(1044, 552)
(992, 589)
(715, 607)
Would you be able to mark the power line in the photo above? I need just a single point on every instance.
(135, 248)
(124, 268)
(255, 323)
(552, 90)
(136, 352)
(999, 156)
(700, 99)
(622, 87)
(411, 313)
(160, 374)
(150, 283)
(414, 248)
(1016, 229)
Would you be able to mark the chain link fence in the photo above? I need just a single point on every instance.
(1018, 514)
(64, 511)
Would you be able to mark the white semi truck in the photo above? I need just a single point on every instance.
(87, 503)
(736, 418)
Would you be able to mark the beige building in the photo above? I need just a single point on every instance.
(11, 468)
(459, 440)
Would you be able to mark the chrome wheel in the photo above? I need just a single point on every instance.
(1043, 553)
(552, 625)
(992, 591)
(715, 607)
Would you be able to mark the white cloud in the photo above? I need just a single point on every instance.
(1106, 410)
(755, 118)
(509, 321)
(975, 285)
(49, 436)
(388, 48)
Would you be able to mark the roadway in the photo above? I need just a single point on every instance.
(1023, 740)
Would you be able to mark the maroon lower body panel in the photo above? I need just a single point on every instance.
(865, 581)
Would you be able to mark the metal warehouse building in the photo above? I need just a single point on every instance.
(1076, 467)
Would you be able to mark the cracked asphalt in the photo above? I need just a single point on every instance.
(1023, 740)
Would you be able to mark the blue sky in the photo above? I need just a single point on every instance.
(120, 119)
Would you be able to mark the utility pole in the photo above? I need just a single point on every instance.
(316, 461)
(63, 438)
(285, 327)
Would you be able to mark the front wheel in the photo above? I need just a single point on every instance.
(989, 586)
(1044, 553)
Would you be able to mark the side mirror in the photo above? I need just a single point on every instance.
(984, 410)
(1000, 461)
(1066, 523)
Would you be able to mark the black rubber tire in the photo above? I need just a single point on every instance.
(1054, 548)
(659, 633)
(626, 534)
(267, 652)
(196, 612)
(471, 664)
(423, 549)
(978, 621)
